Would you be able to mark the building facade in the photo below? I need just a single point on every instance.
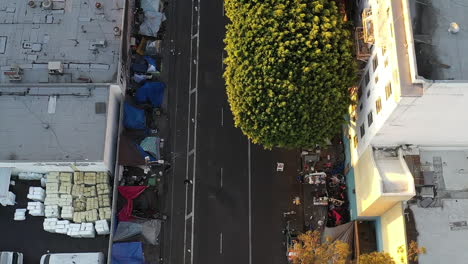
(407, 129)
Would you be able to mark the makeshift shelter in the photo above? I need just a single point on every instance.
(134, 118)
(129, 193)
(343, 232)
(128, 253)
(151, 92)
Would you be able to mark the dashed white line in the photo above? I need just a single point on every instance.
(221, 243)
(222, 116)
(221, 178)
(222, 60)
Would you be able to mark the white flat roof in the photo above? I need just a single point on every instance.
(53, 123)
(32, 37)
(443, 231)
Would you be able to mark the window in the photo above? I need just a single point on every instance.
(384, 50)
(386, 62)
(368, 93)
(360, 107)
(355, 141)
(370, 119)
(375, 62)
(376, 79)
(360, 89)
(378, 105)
(362, 130)
(366, 79)
(388, 90)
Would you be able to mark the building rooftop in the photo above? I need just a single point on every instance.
(83, 38)
(440, 55)
(53, 123)
(443, 231)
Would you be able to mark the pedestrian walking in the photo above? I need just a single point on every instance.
(187, 181)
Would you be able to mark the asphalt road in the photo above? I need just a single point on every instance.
(232, 213)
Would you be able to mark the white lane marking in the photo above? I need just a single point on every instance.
(222, 116)
(221, 243)
(221, 178)
(250, 201)
(188, 216)
(195, 134)
(223, 7)
(222, 60)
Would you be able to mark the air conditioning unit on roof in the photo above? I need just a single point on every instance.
(55, 67)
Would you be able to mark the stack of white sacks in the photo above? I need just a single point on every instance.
(85, 230)
(36, 208)
(36, 194)
(102, 227)
(52, 211)
(81, 197)
(20, 214)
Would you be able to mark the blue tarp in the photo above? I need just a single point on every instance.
(134, 118)
(151, 92)
(144, 153)
(127, 253)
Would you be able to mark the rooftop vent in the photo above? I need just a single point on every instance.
(454, 28)
(55, 67)
(14, 73)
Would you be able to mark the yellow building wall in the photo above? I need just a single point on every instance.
(394, 233)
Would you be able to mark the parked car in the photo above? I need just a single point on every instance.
(11, 257)
(73, 258)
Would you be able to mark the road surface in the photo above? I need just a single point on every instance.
(233, 211)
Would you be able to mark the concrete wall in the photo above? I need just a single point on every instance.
(44, 167)
(438, 118)
(371, 198)
(394, 232)
(368, 184)
(112, 126)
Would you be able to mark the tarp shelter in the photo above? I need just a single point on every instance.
(127, 253)
(343, 232)
(5, 176)
(127, 230)
(130, 193)
(129, 152)
(134, 118)
(151, 92)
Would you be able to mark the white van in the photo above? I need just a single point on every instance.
(73, 258)
(11, 258)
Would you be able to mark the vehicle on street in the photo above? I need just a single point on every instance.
(73, 258)
(11, 257)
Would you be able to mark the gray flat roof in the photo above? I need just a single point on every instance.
(53, 123)
(440, 55)
(32, 37)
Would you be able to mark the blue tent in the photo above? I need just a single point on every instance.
(127, 253)
(134, 118)
(151, 92)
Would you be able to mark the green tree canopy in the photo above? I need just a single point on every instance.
(288, 70)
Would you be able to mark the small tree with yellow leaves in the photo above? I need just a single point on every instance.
(310, 250)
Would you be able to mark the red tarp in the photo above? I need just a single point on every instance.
(130, 193)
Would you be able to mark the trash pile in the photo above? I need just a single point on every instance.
(326, 202)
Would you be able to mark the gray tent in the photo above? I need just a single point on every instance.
(343, 232)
